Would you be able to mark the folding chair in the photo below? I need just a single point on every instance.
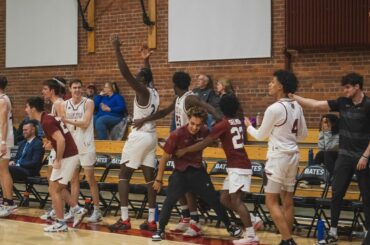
(319, 174)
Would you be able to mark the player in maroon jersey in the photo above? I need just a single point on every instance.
(230, 131)
(64, 165)
(189, 173)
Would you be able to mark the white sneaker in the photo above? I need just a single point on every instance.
(193, 230)
(68, 217)
(6, 210)
(304, 185)
(56, 227)
(78, 216)
(247, 240)
(95, 217)
(182, 226)
(257, 223)
(49, 215)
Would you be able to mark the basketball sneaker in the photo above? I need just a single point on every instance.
(182, 226)
(96, 216)
(234, 231)
(6, 210)
(158, 236)
(120, 225)
(57, 226)
(257, 223)
(194, 229)
(149, 226)
(78, 216)
(247, 240)
(49, 215)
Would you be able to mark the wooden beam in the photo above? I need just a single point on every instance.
(152, 30)
(91, 21)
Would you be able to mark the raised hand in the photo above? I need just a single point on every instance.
(145, 51)
(116, 42)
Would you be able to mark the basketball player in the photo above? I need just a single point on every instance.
(181, 104)
(189, 174)
(139, 149)
(64, 165)
(52, 91)
(230, 131)
(284, 124)
(78, 116)
(6, 142)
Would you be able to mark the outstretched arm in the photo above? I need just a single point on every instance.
(158, 115)
(145, 54)
(140, 89)
(194, 148)
(310, 103)
(193, 100)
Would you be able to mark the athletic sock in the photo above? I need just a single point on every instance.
(124, 213)
(151, 216)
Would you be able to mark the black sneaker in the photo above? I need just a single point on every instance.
(158, 236)
(288, 242)
(330, 239)
(234, 231)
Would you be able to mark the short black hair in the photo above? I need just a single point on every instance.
(147, 74)
(37, 103)
(53, 85)
(353, 79)
(198, 112)
(3, 82)
(33, 122)
(288, 80)
(229, 105)
(181, 80)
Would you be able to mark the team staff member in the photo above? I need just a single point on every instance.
(189, 173)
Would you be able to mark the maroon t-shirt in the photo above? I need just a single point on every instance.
(230, 132)
(50, 124)
(181, 138)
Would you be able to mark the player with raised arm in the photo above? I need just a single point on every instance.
(185, 99)
(140, 147)
(283, 124)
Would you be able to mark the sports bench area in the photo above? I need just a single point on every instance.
(310, 203)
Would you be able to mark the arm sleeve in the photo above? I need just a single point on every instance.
(37, 154)
(334, 104)
(270, 118)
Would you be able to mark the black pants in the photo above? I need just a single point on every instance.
(191, 180)
(326, 158)
(344, 169)
(18, 173)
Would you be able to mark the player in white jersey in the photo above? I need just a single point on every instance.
(181, 104)
(52, 90)
(6, 142)
(284, 124)
(78, 116)
(139, 149)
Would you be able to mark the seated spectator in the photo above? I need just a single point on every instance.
(328, 145)
(28, 160)
(111, 109)
(91, 91)
(206, 92)
(18, 135)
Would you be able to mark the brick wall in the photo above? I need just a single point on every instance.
(319, 72)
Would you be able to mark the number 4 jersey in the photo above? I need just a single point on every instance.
(287, 125)
(230, 132)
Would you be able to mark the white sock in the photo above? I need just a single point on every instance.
(253, 218)
(124, 213)
(249, 231)
(151, 215)
(333, 231)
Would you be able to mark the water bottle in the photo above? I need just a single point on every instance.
(310, 157)
(26, 199)
(156, 213)
(258, 120)
(320, 230)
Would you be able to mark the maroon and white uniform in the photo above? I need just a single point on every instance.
(230, 132)
(50, 125)
(182, 138)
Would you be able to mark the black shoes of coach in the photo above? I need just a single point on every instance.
(288, 242)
